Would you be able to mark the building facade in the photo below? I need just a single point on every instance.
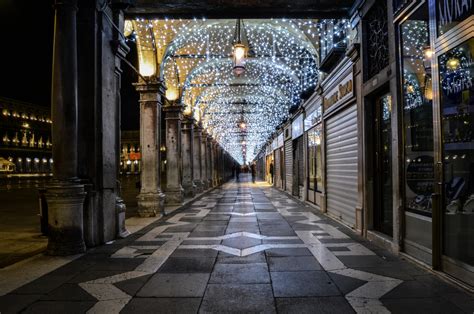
(25, 137)
(386, 143)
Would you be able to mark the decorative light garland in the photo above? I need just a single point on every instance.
(195, 57)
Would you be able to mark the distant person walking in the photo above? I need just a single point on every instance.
(271, 171)
(237, 173)
(254, 172)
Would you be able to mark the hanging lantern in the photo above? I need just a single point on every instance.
(239, 52)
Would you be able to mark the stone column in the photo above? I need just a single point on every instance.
(209, 158)
(65, 197)
(204, 162)
(150, 198)
(174, 191)
(197, 160)
(215, 163)
(187, 158)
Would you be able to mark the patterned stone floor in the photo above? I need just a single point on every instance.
(241, 248)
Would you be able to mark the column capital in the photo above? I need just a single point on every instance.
(63, 4)
(173, 112)
(150, 85)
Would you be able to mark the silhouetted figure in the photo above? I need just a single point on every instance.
(237, 173)
(271, 171)
(254, 172)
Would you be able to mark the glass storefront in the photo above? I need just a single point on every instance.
(417, 113)
(456, 70)
(314, 159)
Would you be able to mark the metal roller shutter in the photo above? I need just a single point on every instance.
(341, 165)
(289, 165)
(276, 168)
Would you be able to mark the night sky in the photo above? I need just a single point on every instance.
(27, 41)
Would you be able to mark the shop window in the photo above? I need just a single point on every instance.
(376, 26)
(456, 70)
(457, 103)
(332, 42)
(451, 12)
(417, 112)
(314, 159)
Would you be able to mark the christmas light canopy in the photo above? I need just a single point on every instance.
(239, 79)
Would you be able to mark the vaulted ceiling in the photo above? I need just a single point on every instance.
(194, 59)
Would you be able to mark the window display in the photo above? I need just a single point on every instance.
(314, 159)
(417, 113)
(456, 69)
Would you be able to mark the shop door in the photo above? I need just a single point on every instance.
(383, 209)
(282, 167)
(298, 166)
(457, 120)
(288, 165)
(341, 165)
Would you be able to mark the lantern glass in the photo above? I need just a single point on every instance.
(239, 59)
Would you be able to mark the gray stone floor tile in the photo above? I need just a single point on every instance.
(293, 263)
(43, 285)
(289, 252)
(188, 265)
(14, 303)
(175, 285)
(221, 298)
(68, 292)
(420, 306)
(131, 286)
(346, 284)
(324, 305)
(194, 252)
(225, 258)
(59, 307)
(303, 284)
(240, 274)
(162, 305)
(241, 242)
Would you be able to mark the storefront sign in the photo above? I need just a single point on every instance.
(135, 156)
(312, 119)
(452, 11)
(281, 140)
(275, 144)
(297, 127)
(339, 93)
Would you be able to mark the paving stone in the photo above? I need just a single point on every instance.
(240, 274)
(346, 284)
(206, 234)
(224, 298)
(14, 303)
(131, 286)
(241, 242)
(293, 263)
(69, 292)
(93, 274)
(60, 307)
(194, 253)
(124, 264)
(44, 284)
(288, 252)
(210, 227)
(188, 265)
(420, 306)
(162, 305)
(175, 285)
(303, 284)
(411, 289)
(225, 258)
(329, 305)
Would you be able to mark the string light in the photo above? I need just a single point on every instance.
(195, 58)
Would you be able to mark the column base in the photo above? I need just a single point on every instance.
(150, 204)
(174, 195)
(189, 189)
(121, 209)
(199, 186)
(65, 219)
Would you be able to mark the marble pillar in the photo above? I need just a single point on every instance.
(197, 158)
(174, 193)
(187, 158)
(215, 163)
(150, 198)
(65, 196)
(204, 161)
(210, 161)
